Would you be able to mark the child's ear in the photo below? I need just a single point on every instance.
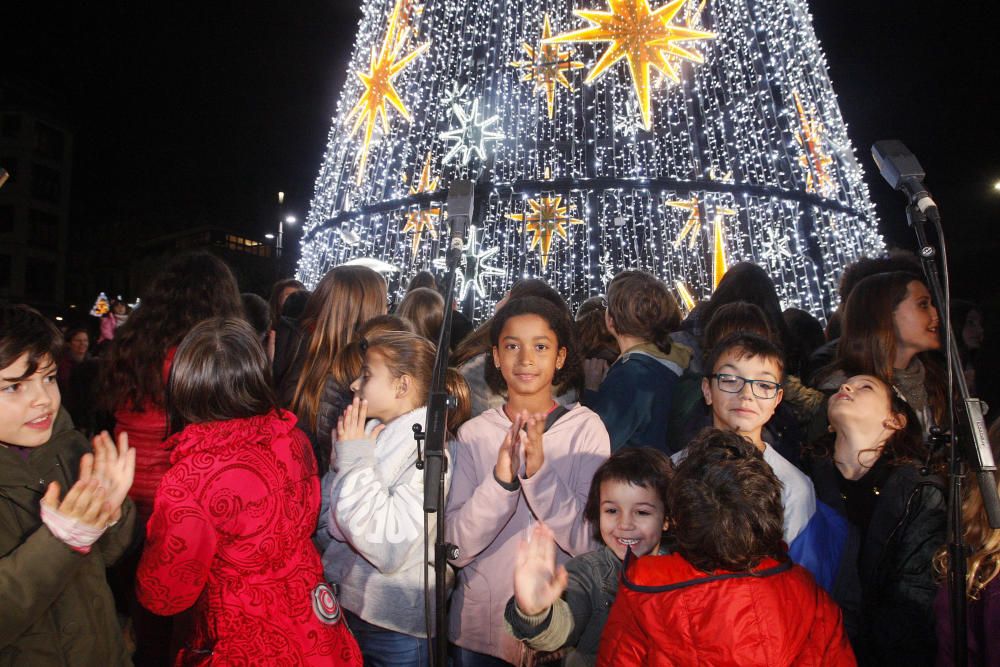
(666, 523)
(777, 397)
(403, 384)
(609, 323)
(561, 357)
(496, 356)
(895, 421)
(706, 390)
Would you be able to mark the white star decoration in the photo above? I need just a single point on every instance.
(775, 246)
(475, 267)
(471, 134)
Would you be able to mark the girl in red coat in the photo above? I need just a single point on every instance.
(233, 517)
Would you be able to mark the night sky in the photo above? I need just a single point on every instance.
(198, 113)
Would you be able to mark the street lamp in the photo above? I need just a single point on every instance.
(287, 220)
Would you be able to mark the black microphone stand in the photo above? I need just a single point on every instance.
(435, 459)
(973, 431)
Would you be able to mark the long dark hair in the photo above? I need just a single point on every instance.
(191, 288)
(346, 298)
(868, 336)
(273, 303)
(220, 372)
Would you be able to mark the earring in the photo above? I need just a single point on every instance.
(829, 427)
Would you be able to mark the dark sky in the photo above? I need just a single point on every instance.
(201, 112)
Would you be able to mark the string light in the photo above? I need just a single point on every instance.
(733, 109)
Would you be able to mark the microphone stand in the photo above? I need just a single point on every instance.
(970, 415)
(435, 458)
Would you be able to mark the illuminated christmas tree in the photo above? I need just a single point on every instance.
(676, 136)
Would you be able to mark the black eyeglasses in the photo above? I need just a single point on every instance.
(733, 384)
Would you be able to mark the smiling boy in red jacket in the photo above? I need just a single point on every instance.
(729, 595)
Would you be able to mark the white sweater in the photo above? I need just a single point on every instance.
(376, 519)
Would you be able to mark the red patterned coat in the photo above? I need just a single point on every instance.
(230, 534)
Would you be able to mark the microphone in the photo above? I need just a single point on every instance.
(461, 203)
(900, 169)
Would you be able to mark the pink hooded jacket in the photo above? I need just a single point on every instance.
(486, 521)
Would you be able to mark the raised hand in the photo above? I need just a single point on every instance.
(538, 582)
(534, 454)
(509, 456)
(351, 424)
(114, 468)
(86, 502)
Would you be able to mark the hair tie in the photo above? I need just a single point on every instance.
(363, 344)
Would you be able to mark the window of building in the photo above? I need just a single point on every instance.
(39, 279)
(43, 229)
(45, 183)
(4, 272)
(10, 164)
(49, 142)
(6, 219)
(11, 126)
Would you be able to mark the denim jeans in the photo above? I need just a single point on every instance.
(387, 648)
(463, 657)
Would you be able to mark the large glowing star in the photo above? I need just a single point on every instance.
(815, 161)
(547, 218)
(645, 38)
(476, 267)
(547, 66)
(424, 219)
(385, 65)
(471, 134)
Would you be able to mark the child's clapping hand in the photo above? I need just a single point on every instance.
(114, 468)
(534, 453)
(509, 456)
(538, 581)
(87, 501)
(351, 424)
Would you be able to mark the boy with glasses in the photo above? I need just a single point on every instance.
(743, 389)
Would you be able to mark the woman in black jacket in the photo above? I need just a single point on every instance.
(873, 470)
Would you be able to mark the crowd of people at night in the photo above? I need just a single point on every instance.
(232, 481)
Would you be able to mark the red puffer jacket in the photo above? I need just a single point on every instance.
(669, 613)
(231, 534)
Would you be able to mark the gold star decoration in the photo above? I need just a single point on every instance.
(645, 38)
(385, 65)
(547, 66)
(719, 263)
(424, 219)
(686, 299)
(815, 161)
(547, 218)
(692, 226)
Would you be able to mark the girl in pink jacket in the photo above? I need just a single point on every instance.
(530, 460)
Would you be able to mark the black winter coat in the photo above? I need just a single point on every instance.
(886, 584)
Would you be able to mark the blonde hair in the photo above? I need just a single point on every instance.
(346, 298)
(407, 353)
(983, 543)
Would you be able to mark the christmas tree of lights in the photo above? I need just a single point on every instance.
(675, 136)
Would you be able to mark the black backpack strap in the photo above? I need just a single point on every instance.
(554, 416)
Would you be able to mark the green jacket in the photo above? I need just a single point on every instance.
(55, 604)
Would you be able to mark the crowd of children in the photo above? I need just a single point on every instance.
(628, 488)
